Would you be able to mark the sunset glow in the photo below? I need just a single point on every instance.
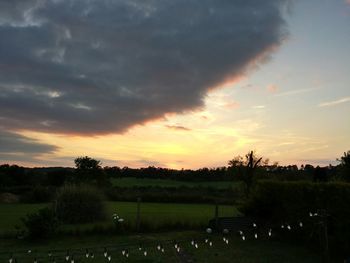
(287, 97)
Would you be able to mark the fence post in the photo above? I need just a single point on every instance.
(324, 235)
(216, 216)
(138, 215)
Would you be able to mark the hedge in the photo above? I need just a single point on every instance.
(274, 202)
(174, 195)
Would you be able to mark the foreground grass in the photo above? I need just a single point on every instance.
(236, 251)
(146, 182)
(153, 215)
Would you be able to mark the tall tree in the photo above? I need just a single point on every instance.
(246, 168)
(89, 170)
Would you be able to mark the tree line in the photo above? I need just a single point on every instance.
(243, 168)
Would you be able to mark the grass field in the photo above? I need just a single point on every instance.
(144, 182)
(236, 251)
(153, 214)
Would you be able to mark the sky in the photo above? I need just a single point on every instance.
(174, 83)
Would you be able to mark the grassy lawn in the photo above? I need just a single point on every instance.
(144, 182)
(153, 214)
(11, 214)
(236, 251)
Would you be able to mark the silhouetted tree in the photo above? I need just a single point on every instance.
(345, 166)
(58, 177)
(320, 174)
(13, 175)
(246, 168)
(89, 169)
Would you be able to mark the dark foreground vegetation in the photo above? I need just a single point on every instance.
(236, 251)
(91, 199)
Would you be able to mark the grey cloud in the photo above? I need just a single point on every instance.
(100, 66)
(145, 163)
(15, 143)
(178, 127)
(321, 162)
(15, 147)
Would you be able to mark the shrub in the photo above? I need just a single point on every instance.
(79, 204)
(41, 224)
(277, 202)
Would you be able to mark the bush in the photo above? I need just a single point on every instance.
(41, 224)
(278, 202)
(79, 204)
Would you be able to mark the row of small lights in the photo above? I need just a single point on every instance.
(159, 247)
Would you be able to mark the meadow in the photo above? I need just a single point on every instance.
(153, 215)
(77, 238)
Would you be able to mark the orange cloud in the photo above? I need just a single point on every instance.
(232, 105)
(272, 88)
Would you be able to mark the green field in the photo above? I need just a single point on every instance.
(153, 214)
(236, 251)
(145, 182)
(156, 214)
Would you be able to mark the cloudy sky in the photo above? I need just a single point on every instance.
(174, 83)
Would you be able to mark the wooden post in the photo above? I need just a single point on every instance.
(216, 216)
(323, 235)
(138, 216)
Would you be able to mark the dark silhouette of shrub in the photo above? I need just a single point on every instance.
(79, 204)
(41, 224)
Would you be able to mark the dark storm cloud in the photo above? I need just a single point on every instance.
(100, 66)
